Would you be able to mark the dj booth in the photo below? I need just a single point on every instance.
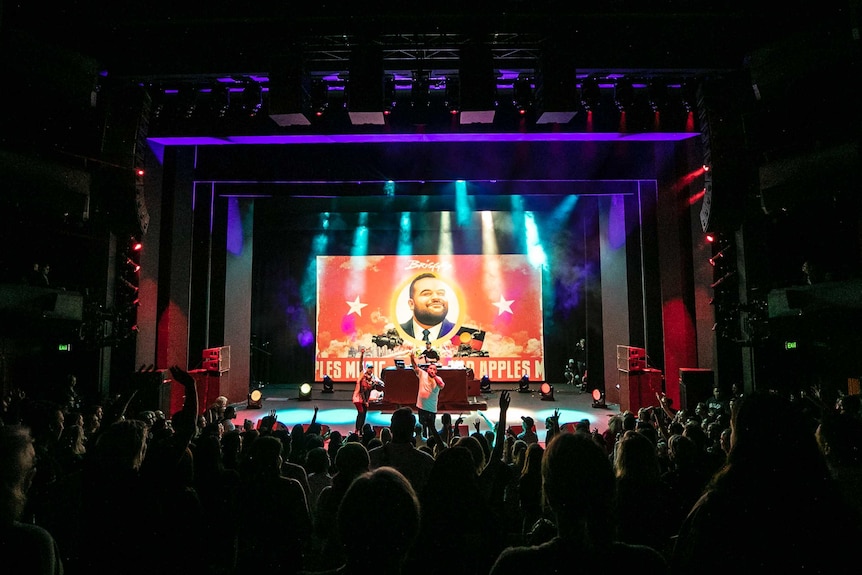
(402, 388)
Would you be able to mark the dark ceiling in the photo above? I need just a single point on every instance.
(149, 39)
(58, 61)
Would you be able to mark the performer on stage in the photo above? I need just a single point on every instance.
(430, 385)
(430, 354)
(362, 392)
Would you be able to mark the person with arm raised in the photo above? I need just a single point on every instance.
(430, 385)
(362, 391)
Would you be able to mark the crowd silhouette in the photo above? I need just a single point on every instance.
(765, 481)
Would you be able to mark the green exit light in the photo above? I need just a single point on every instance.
(789, 345)
(64, 347)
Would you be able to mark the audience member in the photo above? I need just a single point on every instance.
(215, 412)
(777, 498)
(496, 475)
(476, 452)
(452, 491)
(70, 398)
(530, 489)
(376, 542)
(336, 440)
(272, 505)
(685, 479)
(34, 276)
(231, 449)
(643, 499)
(350, 462)
(385, 435)
(113, 484)
(578, 483)
(374, 442)
(217, 487)
(513, 517)
(839, 436)
(228, 417)
(718, 406)
(528, 431)
(401, 453)
(552, 426)
(24, 546)
(317, 466)
(71, 449)
(168, 469)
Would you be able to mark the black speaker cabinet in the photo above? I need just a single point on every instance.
(695, 385)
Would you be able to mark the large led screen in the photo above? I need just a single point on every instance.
(482, 312)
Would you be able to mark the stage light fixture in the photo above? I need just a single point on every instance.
(250, 99)
(319, 97)
(599, 398)
(714, 259)
(255, 399)
(305, 391)
(485, 384)
(524, 384)
(187, 102)
(453, 94)
(327, 385)
(590, 93)
(689, 95)
(624, 94)
(547, 392)
(657, 95)
(420, 89)
(522, 95)
(129, 285)
(220, 100)
(390, 99)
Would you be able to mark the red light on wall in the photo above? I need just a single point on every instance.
(135, 267)
(710, 237)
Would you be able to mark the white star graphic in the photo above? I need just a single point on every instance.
(504, 305)
(355, 306)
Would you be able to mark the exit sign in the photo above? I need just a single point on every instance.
(789, 345)
(64, 347)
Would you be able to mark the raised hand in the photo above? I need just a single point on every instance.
(504, 401)
(476, 424)
(181, 376)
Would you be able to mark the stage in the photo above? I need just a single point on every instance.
(337, 411)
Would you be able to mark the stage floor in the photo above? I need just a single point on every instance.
(336, 409)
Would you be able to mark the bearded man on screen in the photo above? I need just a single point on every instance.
(429, 303)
